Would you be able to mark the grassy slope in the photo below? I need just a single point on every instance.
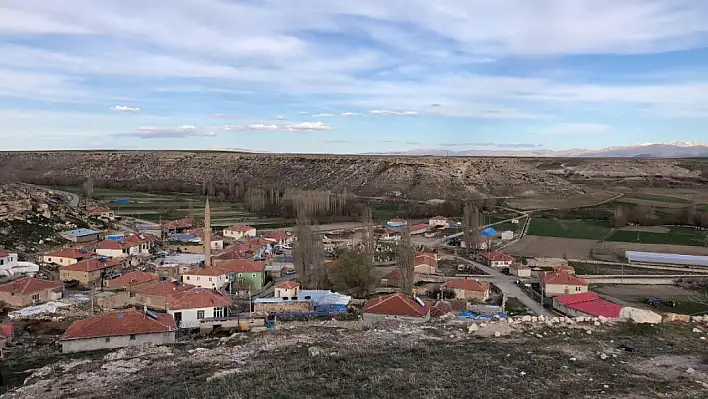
(580, 229)
(676, 236)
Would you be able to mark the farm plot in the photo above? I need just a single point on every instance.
(579, 229)
(657, 198)
(675, 236)
(552, 247)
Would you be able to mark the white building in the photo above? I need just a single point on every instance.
(191, 306)
(205, 277)
(238, 232)
(507, 235)
(11, 266)
(439, 221)
(117, 248)
(287, 289)
(66, 256)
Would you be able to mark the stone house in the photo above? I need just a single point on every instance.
(396, 307)
(89, 271)
(238, 232)
(287, 289)
(29, 291)
(468, 289)
(119, 329)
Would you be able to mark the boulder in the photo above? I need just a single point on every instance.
(579, 319)
(472, 328)
(555, 320)
(541, 318)
(534, 319)
(526, 319)
(640, 316)
(675, 317)
(697, 319)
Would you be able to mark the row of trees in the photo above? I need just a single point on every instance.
(650, 216)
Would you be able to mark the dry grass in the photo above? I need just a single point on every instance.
(553, 247)
(549, 202)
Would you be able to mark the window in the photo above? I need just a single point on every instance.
(253, 275)
(132, 337)
(2, 261)
(200, 314)
(178, 318)
(35, 297)
(187, 277)
(197, 278)
(219, 312)
(108, 339)
(209, 278)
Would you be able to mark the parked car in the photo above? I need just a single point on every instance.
(289, 271)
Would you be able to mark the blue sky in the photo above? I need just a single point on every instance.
(351, 77)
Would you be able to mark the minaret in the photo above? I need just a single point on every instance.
(207, 234)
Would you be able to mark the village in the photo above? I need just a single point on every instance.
(161, 284)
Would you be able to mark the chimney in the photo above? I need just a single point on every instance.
(207, 234)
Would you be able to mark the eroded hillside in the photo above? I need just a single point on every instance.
(414, 177)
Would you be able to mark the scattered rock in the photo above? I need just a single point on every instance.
(526, 319)
(603, 356)
(690, 370)
(497, 334)
(314, 351)
(472, 328)
(588, 332)
(697, 330)
(222, 373)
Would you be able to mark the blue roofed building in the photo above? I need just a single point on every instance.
(81, 235)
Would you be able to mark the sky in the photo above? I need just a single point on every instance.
(323, 76)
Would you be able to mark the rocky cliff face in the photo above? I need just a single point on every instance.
(414, 177)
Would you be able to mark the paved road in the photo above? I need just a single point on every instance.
(508, 285)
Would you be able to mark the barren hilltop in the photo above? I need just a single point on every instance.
(409, 176)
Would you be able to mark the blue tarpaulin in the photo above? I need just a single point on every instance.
(475, 316)
(489, 232)
(121, 201)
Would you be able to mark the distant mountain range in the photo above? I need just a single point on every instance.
(675, 149)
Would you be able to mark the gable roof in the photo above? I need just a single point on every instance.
(467, 285)
(287, 285)
(164, 288)
(118, 323)
(590, 303)
(276, 235)
(396, 304)
(70, 253)
(241, 266)
(4, 253)
(205, 271)
(564, 269)
(197, 298)
(115, 244)
(132, 278)
(425, 259)
(563, 278)
(498, 257)
(179, 224)
(29, 285)
(90, 265)
(421, 226)
(240, 228)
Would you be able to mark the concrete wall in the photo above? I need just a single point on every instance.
(26, 299)
(90, 344)
(114, 300)
(237, 235)
(286, 292)
(635, 279)
(374, 317)
(58, 261)
(205, 281)
(189, 316)
(151, 301)
(425, 269)
(471, 295)
(113, 253)
(283, 307)
(559, 289)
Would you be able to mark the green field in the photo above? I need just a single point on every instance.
(579, 229)
(676, 236)
(582, 268)
(702, 208)
(163, 207)
(658, 198)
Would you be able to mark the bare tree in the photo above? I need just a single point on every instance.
(405, 261)
(470, 226)
(620, 217)
(308, 254)
(87, 188)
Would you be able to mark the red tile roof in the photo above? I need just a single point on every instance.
(200, 233)
(288, 285)
(4, 253)
(198, 298)
(114, 244)
(389, 232)
(421, 226)
(90, 265)
(70, 253)
(132, 278)
(119, 323)
(498, 257)
(241, 228)
(183, 223)
(205, 271)
(564, 278)
(164, 288)
(398, 220)
(396, 305)
(590, 303)
(242, 266)
(29, 285)
(425, 259)
(439, 217)
(276, 236)
(467, 285)
(564, 269)
(396, 275)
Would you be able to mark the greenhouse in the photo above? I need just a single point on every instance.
(668, 259)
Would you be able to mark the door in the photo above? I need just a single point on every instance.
(178, 318)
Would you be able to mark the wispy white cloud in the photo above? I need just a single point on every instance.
(347, 114)
(151, 132)
(322, 115)
(124, 108)
(383, 112)
(281, 117)
(296, 127)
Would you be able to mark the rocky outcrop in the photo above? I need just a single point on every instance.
(640, 316)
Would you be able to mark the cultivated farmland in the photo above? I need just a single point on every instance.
(579, 229)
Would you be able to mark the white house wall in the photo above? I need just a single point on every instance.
(90, 344)
(189, 316)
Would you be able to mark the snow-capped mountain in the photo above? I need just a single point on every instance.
(674, 149)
